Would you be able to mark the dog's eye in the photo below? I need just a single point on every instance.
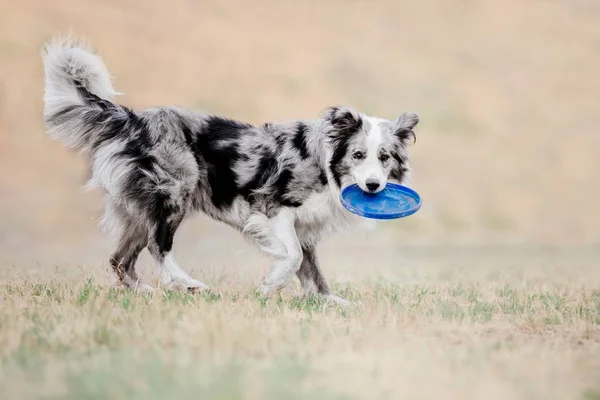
(358, 155)
(384, 157)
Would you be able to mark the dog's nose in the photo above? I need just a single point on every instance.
(372, 185)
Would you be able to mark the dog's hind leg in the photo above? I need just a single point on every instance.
(279, 233)
(132, 242)
(160, 245)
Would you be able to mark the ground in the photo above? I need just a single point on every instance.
(457, 323)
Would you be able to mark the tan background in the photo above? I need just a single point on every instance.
(492, 290)
(508, 93)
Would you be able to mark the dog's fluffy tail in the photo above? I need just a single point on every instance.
(78, 88)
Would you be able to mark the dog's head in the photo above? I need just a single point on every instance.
(368, 151)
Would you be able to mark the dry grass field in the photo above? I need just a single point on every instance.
(490, 291)
(479, 325)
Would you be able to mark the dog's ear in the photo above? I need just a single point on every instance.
(344, 119)
(403, 127)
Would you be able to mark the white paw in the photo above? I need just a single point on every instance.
(135, 285)
(187, 284)
(141, 287)
(266, 290)
(337, 300)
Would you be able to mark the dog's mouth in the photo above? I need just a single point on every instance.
(371, 188)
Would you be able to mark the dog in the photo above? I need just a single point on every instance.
(278, 184)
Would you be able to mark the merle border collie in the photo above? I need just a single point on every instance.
(278, 183)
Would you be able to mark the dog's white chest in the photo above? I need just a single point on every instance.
(323, 214)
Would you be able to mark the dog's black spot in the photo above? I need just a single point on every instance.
(338, 170)
(218, 147)
(107, 126)
(281, 189)
(221, 129)
(323, 178)
(340, 148)
(281, 140)
(282, 182)
(138, 145)
(99, 124)
(260, 149)
(221, 177)
(90, 98)
(139, 186)
(190, 141)
(142, 160)
(109, 121)
(62, 116)
(140, 189)
(165, 232)
(115, 123)
(300, 140)
(399, 159)
(398, 173)
(345, 126)
(399, 170)
(267, 166)
(310, 269)
(404, 134)
(187, 134)
(345, 120)
(291, 203)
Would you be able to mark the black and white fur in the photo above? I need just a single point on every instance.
(278, 183)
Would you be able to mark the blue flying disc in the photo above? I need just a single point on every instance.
(395, 201)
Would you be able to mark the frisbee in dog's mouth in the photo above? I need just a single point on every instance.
(395, 201)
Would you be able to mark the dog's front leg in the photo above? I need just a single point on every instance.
(283, 243)
(309, 274)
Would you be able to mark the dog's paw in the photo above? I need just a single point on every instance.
(330, 298)
(135, 285)
(143, 288)
(194, 286)
(267, 290)
(188, 285)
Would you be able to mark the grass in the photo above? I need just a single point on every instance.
(62, 338)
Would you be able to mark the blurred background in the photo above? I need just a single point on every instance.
(508, 92)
